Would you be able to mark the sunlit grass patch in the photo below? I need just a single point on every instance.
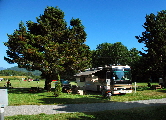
(22, 96)
(43, 98)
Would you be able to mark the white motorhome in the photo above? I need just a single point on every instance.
(117, 79)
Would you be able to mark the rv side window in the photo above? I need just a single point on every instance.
(82, 79)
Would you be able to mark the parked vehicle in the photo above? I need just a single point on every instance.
(66, 86)
(36, 80)
(116, 79)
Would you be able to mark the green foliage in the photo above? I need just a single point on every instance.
(49, 45)
(13, 73)
(154, 38)
(58, 88)
(117, 53)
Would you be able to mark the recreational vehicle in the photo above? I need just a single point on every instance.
(117, 79)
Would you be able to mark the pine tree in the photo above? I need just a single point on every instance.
(49, 45)
(154, 38)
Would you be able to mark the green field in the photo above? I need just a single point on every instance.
(20, 95)
(27, 84)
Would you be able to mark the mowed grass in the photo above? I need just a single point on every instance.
(23, 97)
(20, 95)
(28, 84)
(24, 84)
(146, 113)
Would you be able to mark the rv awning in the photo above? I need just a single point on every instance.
(86, 73)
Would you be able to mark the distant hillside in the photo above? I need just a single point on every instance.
(36, 72)
(1, 68)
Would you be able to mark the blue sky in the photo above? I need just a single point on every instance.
(104, 20)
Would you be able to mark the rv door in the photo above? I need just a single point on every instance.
(108, 77)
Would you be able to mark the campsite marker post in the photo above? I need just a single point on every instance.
(3, 102)
(135, 86)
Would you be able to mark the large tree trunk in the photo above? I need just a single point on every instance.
(49, 79)
(47, 85)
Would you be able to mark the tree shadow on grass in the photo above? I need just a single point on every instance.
(78, 99)
(18, 90)
(114, 110)
(93, 93)
(164, 91)
(147, 113)
(23, 90)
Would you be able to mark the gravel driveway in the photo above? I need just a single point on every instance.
(90, 107)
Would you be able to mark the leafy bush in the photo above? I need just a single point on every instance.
(58, 88)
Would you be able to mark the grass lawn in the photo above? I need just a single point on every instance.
(20, 95)
(26, 84)
(147, 113)
(23, 97)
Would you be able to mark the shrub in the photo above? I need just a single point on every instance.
(58, 88)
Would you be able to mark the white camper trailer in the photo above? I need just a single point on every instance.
(87, 81)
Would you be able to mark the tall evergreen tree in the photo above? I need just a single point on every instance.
(154, 38)
(49, 45)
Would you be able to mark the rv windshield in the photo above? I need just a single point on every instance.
(121, 75)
